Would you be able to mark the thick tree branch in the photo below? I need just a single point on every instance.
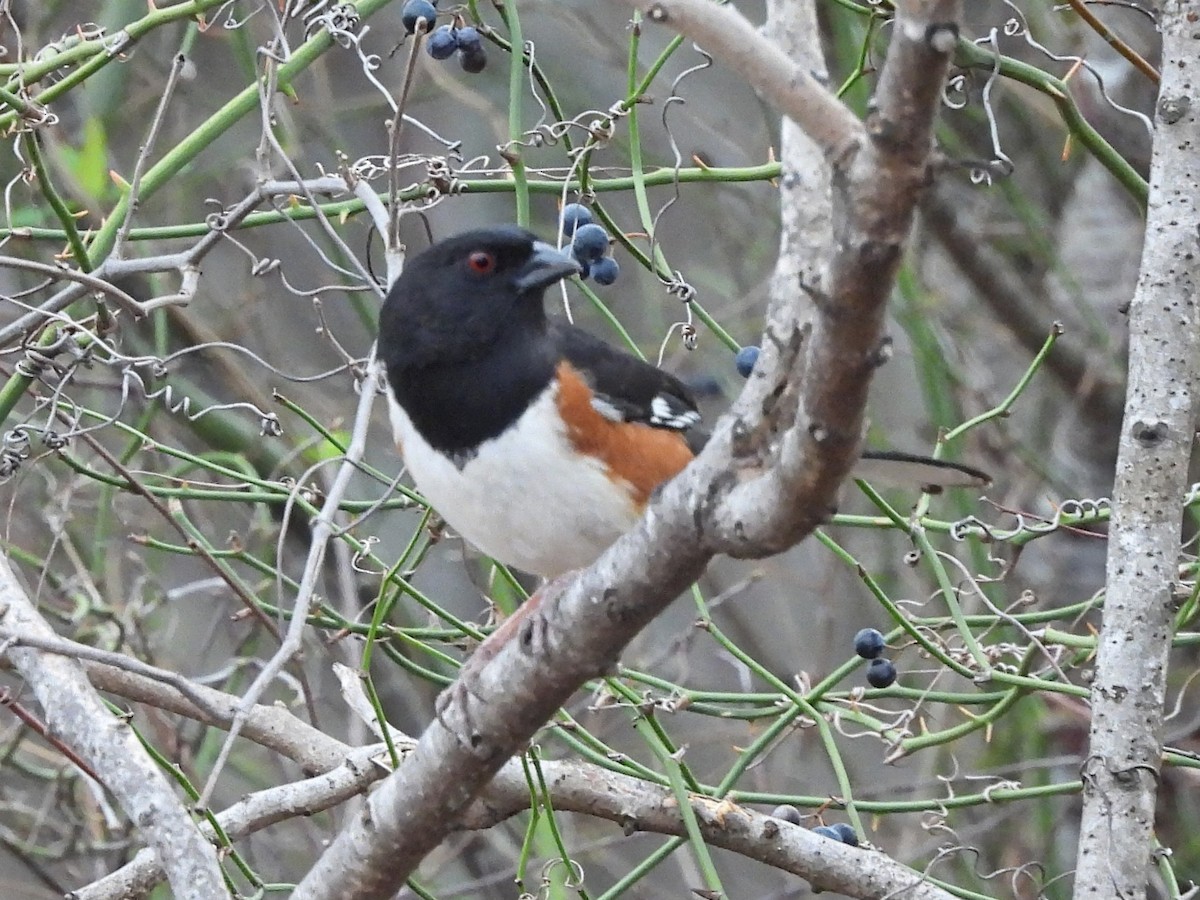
(805, 192)
(810, 444)
(1120, 774)
(76, 715)
(769, 476)
(341, 772)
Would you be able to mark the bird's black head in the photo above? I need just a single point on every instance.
(460, 297)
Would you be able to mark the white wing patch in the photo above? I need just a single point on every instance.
(666, 414)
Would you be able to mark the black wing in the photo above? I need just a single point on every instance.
(627, 389)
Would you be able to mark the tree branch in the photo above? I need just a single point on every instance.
(76, 715)
(785, 83)
(1120, 774)
(341, 772)
(769, 476)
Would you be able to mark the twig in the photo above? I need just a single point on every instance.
(139, 166)
(391, 236)
(124, 300)
(323, 527)
(1114, 41)
(75, 650)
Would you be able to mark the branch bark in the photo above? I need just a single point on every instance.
(1120, 773)
(805, 198)
(341, 772)
(76, 715)
(766, 479)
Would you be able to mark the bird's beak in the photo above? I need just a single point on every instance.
(546, 266)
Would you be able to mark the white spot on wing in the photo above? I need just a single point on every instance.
(668, 414)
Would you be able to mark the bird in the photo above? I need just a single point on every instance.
(537, 442)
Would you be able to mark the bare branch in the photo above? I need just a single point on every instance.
(786, 84)
(76, 715)
(343, 772)
(805, 192)
(1120, 774)
(323, 527)
(256, 812)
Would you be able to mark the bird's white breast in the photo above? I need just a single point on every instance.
(526, 498)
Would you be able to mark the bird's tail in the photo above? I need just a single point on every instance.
(908, 469)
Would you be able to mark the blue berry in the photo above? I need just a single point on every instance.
(590, 243)
(573, 216)
(846, 834)
(788, 813)
(418, 9)
(827, 832)
(442, 43)
(745, 360)
(881, 672)
(605, 270)
(469, 39)
(472, 61)
(868, 643)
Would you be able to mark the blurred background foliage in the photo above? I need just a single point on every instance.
(160, 473)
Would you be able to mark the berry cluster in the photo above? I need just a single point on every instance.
(868, 644)
(839, 832)
(447, 40)
(589, 244)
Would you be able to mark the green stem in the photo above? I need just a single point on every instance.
(516, 93)
(976, 57)
(1002, 409)
(340, 210)
(30, 140)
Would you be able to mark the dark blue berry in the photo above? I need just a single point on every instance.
(868, 643)
(573, 216)
(590, 243)
(418, 9)
(846, 834)
(605, 270)
(442, 43)
(745, 360)
(881, 672)
(469, 39)
(788, 813)
(826, 832)
(472, 61)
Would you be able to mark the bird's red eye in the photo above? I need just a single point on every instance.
(481, 262)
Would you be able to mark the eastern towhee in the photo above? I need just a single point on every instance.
(535, 441)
